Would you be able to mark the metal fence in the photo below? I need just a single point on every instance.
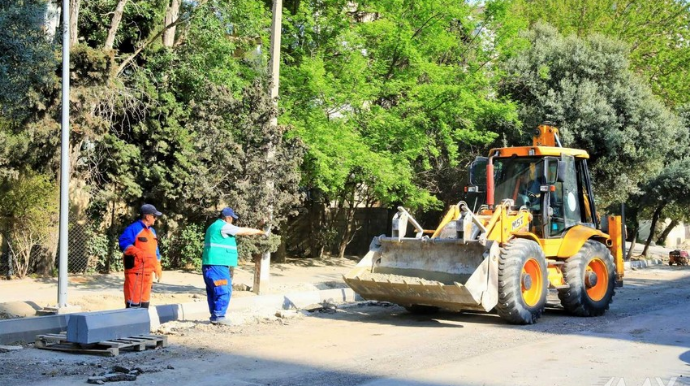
(90, 250)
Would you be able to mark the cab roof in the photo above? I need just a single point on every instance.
(536, 151)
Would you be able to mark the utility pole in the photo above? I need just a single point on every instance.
(64, 161)
(262, 267)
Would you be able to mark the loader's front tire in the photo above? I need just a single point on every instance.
(522, 282)
(591, 278)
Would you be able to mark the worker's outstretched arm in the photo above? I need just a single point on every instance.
(250, 232)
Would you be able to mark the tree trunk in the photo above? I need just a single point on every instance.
(111, 240)
(347, 235)
(74, 22)
(171, 16)
(664, 234)
(280, 256)
(349, 222)
(634, 231)
(52, 18)
(632, 245)
(655, 219)
(115, 24)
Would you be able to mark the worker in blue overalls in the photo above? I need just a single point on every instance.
(219, 257)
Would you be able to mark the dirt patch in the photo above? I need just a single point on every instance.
(381, 277)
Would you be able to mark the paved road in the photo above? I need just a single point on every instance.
(643, 340)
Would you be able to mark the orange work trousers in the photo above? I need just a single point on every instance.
(138, 289)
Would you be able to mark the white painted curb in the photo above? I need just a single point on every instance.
(638, 264)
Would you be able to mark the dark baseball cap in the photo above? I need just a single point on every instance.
(150, 209)
(227, 212)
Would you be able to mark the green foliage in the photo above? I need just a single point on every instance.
(97, 250)
(29, 210)
(656, 32)
(28, 198)
(387, 96)
(27, 60)
(183, 248)
(584, 86)
(672, 185)
(139, 20)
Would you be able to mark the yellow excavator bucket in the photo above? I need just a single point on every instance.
(458, 270)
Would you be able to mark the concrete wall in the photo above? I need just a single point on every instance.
(676, 239)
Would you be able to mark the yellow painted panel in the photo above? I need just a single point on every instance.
(551, 246)
(616, 247)
(576, 237)
(555, 276)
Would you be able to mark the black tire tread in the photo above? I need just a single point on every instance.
(511, 306)
(574, 298)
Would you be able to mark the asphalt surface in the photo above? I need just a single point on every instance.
(644, 339)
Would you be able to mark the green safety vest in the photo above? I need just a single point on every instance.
(219, 250)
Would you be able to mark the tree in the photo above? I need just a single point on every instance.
(27, 62)
(671, 186)
(29, 210)
(585, 87)
(656, 32)
(390, 98)
(115, 24)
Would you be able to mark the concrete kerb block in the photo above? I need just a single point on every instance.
(639, 264)
(194, 311)
(169, 312)
(154, 319)
(93, 327)
(26, 329)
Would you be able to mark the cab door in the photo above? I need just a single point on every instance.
(564, 202)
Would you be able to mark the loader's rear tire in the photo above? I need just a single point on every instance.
(522, 282)
(421, 310)
(591, 279)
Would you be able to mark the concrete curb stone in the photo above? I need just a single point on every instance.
(638, 264)
(26, 329)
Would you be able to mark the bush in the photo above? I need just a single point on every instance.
(29, 205)
(183, 248)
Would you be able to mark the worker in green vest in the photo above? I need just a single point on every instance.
(220, 254)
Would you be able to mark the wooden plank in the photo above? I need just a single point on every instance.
(110, 343)
(58, 342)
(71, 348)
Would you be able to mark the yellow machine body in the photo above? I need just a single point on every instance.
(457, 267)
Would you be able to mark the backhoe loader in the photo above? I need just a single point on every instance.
(536, 230)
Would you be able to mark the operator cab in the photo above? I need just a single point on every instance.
(552, 183)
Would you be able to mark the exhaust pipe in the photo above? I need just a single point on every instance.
(490, 183)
